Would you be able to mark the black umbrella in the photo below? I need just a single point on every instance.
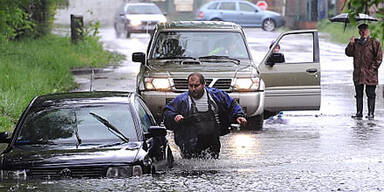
(343, 18)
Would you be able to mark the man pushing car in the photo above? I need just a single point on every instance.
(200, 116)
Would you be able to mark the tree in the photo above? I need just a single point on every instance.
(27, 18)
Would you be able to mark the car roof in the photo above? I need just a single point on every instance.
(198, 25)
(71, 98)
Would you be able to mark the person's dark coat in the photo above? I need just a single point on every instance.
(367, 58)
(229, 109)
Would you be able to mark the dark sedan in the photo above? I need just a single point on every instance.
(88, 134)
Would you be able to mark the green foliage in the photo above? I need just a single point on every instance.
(32, 67)
(26, 18)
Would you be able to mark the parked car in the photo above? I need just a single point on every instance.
(241, 12)
(219, 51)
(88, 134)
(137, 18)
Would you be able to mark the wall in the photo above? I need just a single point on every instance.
(102, 10)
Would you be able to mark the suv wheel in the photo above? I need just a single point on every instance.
(256, 123)
(269, 25)
(117, 33)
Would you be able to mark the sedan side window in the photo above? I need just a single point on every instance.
(230, 6)
(146, 120)
(246, 7)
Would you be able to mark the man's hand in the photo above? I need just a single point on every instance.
(178, 118)
(242, 121)
(352, 40)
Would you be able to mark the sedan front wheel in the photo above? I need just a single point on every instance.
(269, 25)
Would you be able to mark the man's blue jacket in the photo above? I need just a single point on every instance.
(229, 109)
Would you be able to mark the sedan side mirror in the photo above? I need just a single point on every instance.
(275, 58)
(138, 57)
(4, 137)
(156, 131)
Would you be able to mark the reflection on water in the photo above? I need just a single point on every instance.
(243, 145)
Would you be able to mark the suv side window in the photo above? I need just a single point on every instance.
(213, 6)
(230, 6)
(246, 7)
(304, 54)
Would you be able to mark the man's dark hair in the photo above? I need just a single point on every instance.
(199, 75)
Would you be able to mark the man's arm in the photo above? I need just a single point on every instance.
(350, 49)
(233, 107)
(169, 114)
(173, 112)
(378, 54)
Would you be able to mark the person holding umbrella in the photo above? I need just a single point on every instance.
(367, 56)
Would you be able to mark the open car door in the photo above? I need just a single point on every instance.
(292, 77)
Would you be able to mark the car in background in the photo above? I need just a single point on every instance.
(241, 12)
(137, 18)
(219, 50)
(85, 134)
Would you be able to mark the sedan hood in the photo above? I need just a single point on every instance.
(44, 156)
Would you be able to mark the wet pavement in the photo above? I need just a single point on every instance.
(321, 150)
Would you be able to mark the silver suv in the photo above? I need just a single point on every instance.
(220, 52)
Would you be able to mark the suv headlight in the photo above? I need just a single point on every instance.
(161, 84)
(247, 84)
(135, 22)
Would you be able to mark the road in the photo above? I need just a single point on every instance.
(307, 150)
(321, 150)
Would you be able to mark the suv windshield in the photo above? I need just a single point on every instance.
(77, 125)
(199, 44)
(143, 9)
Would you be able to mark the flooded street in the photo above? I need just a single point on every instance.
(321, 150)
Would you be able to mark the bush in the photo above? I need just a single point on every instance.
(32, 67)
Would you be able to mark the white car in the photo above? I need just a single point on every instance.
(137, 18)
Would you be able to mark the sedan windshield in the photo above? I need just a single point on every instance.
(78, 125)
(199, 44)
(143, 9)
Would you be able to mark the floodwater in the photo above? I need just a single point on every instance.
(321, 150)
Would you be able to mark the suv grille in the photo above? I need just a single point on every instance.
(219, 84)
(149, 22)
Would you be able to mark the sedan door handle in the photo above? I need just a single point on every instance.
(312, 70)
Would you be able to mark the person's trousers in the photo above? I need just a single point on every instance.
(370, 90)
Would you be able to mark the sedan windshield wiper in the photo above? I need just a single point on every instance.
(37, 142)
(110, 127)
(218, 57)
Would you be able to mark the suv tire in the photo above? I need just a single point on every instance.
(256, 123)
